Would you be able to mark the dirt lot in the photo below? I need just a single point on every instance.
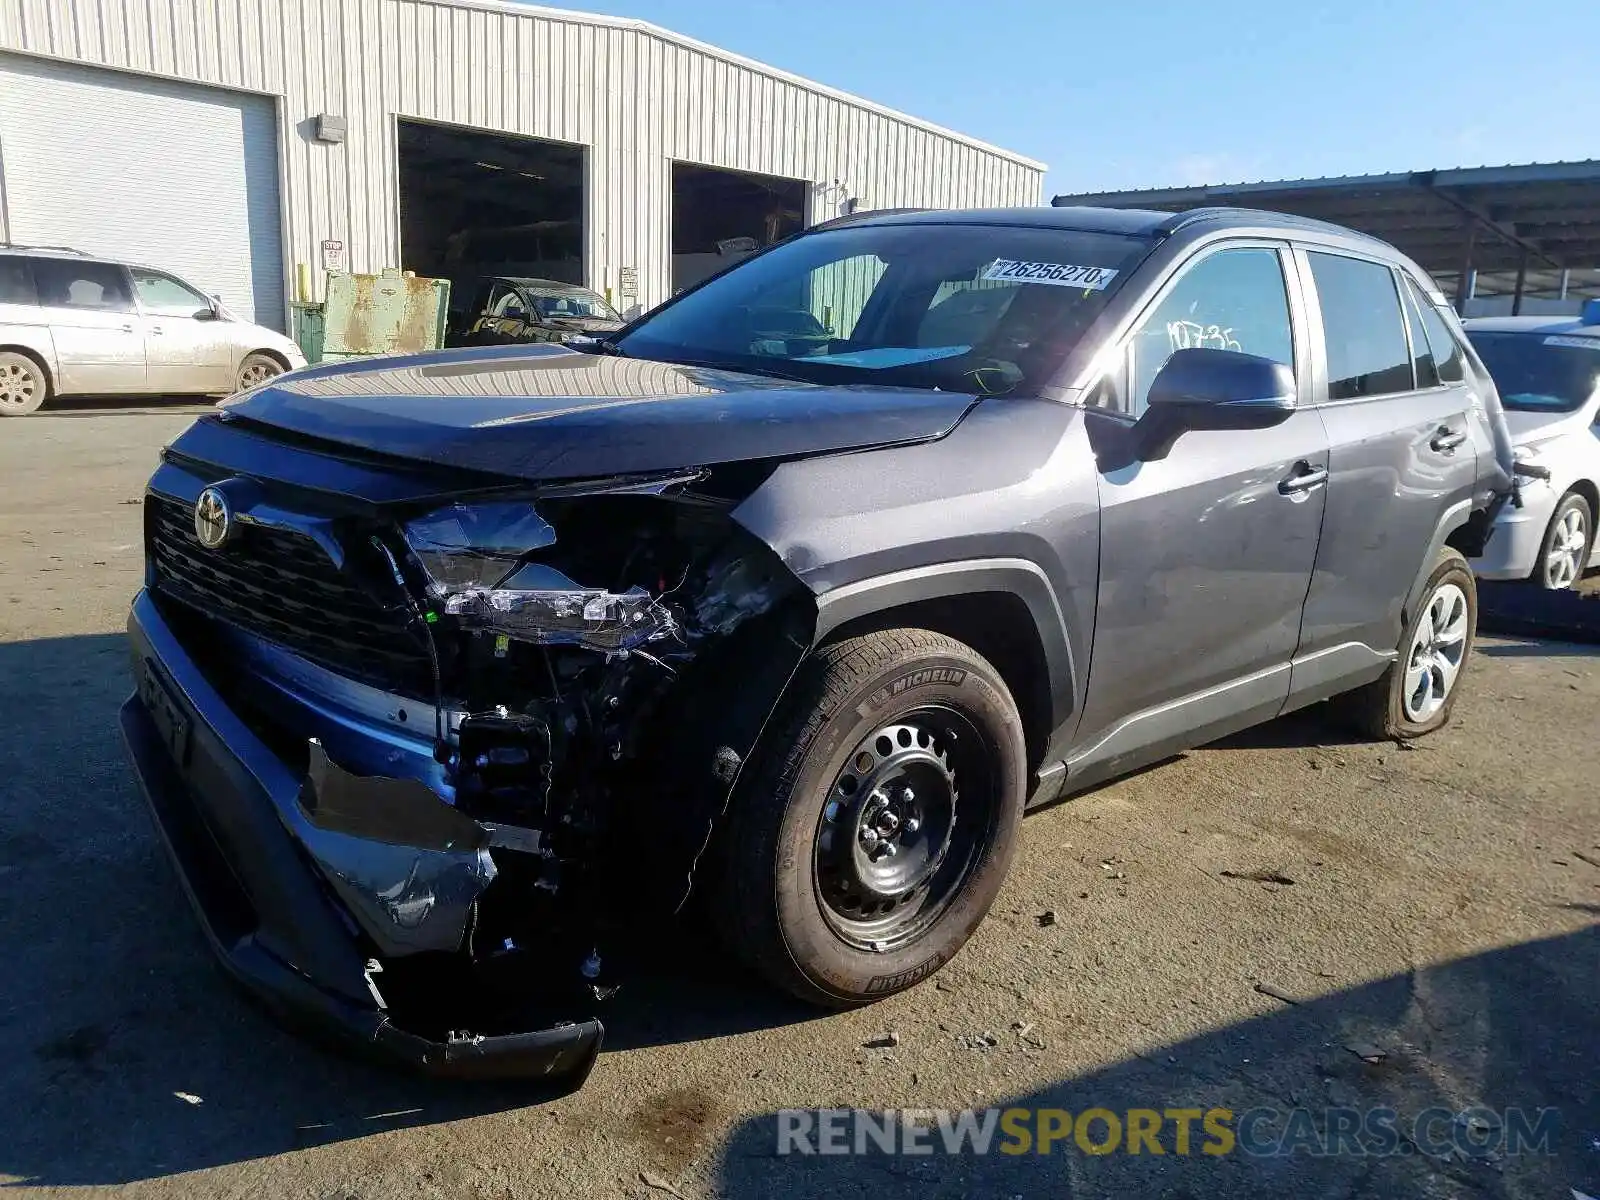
(1442, 921)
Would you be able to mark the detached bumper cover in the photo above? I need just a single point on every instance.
(220, 799)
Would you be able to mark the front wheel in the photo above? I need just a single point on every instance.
(1417, 693)
(256, 369)
(1565, 549)
(872, 837)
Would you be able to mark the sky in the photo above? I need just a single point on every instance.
(1114, 94)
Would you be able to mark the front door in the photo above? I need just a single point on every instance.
(1396, 409)
(89, 309)
(186, 348)
(1205, 555)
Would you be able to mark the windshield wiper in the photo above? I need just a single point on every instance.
(590, 344)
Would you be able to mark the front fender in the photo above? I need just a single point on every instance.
(1015, 576)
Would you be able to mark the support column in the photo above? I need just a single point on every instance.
(1464, 280)
(1522, 283)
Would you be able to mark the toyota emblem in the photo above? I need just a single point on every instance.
(213, 519)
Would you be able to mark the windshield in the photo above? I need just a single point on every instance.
(973, 308)
(570, 305)
(1536, 372)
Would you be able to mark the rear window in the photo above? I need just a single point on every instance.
(16, 282)
(1535, 372)
(1363, 328)
(63, 283)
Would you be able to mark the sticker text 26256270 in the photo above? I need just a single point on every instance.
(1059, 274)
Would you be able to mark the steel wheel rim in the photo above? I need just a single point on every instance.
(1437, 650)
(1568, 541)
(254, 374)
(18, 386)
(878, 901)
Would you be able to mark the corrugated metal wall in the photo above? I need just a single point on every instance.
(636, 97)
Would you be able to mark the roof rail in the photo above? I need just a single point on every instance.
(27, 246)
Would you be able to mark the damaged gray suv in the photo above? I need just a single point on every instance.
(455, 670)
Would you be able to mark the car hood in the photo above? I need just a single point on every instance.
(1527, 427)
(541, 413)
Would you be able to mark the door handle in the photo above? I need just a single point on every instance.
(156, 330)
(1447, 439)
(127, 329)
(1303, 478)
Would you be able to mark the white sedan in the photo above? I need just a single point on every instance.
(1548, 373)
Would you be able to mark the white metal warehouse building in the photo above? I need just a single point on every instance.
(243, 143)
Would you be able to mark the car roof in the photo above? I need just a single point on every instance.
(1569, 326)
(1086, 219)
(552, 285)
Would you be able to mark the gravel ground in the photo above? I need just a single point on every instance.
(1441, 922)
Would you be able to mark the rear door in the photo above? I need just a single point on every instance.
(1205, 555)
(1402, 453)
(186, 349)
(89, 308)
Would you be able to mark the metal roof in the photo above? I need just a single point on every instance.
(1541, 215)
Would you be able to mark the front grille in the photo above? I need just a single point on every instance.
(281, 586)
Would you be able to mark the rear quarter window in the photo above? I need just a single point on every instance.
(16, 282)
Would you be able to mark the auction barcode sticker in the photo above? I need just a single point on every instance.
(1058, 274)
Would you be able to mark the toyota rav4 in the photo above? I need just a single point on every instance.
(792, 596)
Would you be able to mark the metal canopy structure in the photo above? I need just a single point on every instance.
(1532, 229)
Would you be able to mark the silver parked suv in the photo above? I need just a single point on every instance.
(75, 325)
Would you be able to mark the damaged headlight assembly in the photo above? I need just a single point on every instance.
(474, 557)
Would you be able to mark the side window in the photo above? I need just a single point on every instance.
(1446, 350)
(66, 284)
(1422, 363)
(163, 296)
(1229, 300)
(1362, 327)
(16, 282)
(506, 302)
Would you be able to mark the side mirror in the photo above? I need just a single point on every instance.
(207, 314)
(1203, 388)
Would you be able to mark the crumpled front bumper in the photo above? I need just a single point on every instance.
(225, 806)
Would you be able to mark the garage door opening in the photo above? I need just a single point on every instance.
(476, 204)
(719, 216)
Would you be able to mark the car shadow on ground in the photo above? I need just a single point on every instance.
(124, 1055)
(1448, 1049)
(122, 406)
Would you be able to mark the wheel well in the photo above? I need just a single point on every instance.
(1591, 496)
(34, 358)
(273, 355)
(998, 626)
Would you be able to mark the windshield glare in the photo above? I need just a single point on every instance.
(975, 308)
(1536, 372)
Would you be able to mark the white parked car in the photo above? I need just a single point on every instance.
(1548, 373)
(71, 324)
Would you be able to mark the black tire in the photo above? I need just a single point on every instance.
(256, 369)
(779, 905)
(1572, 519)
(1385, 708)
(24, 385)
